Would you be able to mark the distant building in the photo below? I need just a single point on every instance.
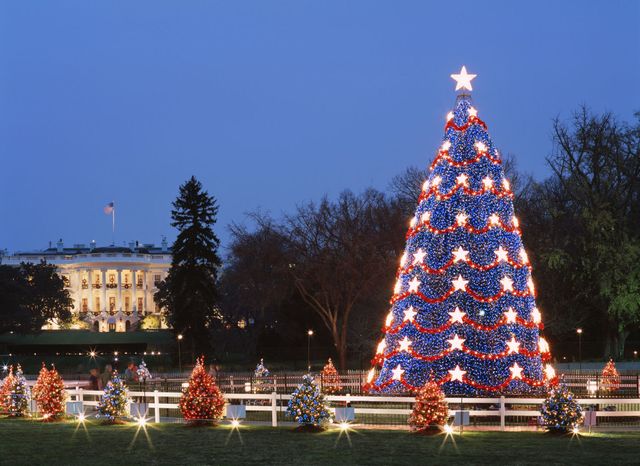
(112, 287)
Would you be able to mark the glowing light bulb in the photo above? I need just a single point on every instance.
(446, 145)
(425, 186)
(413, 222)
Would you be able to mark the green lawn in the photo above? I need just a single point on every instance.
(33, 443)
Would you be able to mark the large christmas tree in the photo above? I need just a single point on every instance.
(463, 307)
(201, 401)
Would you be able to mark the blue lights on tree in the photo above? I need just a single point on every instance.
(463, 309)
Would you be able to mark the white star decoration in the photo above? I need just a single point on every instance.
(456, 343)
(459, 283)
(531, 286)
(487, 182)
(461, 218)
(536, 317)
(403, 259)
(481, 146)
(446, 145)
(398, 287)
(381, 346)
(494, 219)
(463, 79)
(543, 346)
(549, 371)
(425, 217)
(502, 255)
(511, 315)
(516, 371)
(460, 255)
(457, 315)
(505, 184)
(425, 186)
(436, 180)
(389, 320)
(507, 283)
(457, 374)
(397, 372)
(461, 179)
(514, 346)
(449, 116)
(523, 256)
(473, 112)
(409, 314)
(418, 257)
(404, 344)
(413, 285)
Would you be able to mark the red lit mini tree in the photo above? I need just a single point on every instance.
(5, 391)
(430, 410)
(50, 394)
(610, 379)
(330, 378)
(201, 400)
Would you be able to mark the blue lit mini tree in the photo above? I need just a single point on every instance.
(463, 307)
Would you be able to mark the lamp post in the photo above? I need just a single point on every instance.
(309, 335)
(579, 332)
(179, 354)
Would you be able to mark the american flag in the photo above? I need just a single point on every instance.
(108, 209)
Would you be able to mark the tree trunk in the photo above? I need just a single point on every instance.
(622, 339)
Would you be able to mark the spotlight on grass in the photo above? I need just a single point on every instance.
(344, 426)
(141, 421)
(235, 423)
(448, 429)
(81, 418)
(576, 430)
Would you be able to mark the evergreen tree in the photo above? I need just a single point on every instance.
(5, 391)
(610, 380)
(330, 378)
(201, 399)
(261, 378)
(189, 292)
(560, 411)
(431, 408)
(307, 404)
(19, 395)
(463, 306)
(50, 394)
(114, 401)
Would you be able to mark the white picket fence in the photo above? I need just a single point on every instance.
(275, 403)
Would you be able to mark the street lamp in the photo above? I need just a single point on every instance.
(179, 353)
(579, 332)
(309, 335)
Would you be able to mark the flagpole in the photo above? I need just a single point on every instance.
(113, 225)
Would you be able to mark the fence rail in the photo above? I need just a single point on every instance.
(269, 408)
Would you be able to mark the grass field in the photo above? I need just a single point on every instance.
(33, 443)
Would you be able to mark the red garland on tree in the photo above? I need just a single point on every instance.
(430, 410)
(49, 394)
(610, 380)
(5, 391)
(201, 399)
(330, 378)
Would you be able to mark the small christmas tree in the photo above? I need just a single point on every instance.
(307, 404)
(260, 378)
(19, 395)
(561, 413)
(5, 391)
(610, 380)
(50, 394)
(330, 378)
(430, 410)
(114, 401)
(201, 399)
(143, 372)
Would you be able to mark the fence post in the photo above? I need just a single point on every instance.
(274, 410)
(503, 412)
(156, 406)
(80, 398)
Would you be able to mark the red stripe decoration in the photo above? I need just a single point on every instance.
(469, 262)
(472, 120)
(468, 191)
(470, 292)
(444, 155)
(471, 229)
(487, 328)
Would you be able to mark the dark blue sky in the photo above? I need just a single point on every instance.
(272, 103)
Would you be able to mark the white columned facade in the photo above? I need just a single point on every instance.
(90, 289)
(119, 299)
(103, 301)
(134, 287)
